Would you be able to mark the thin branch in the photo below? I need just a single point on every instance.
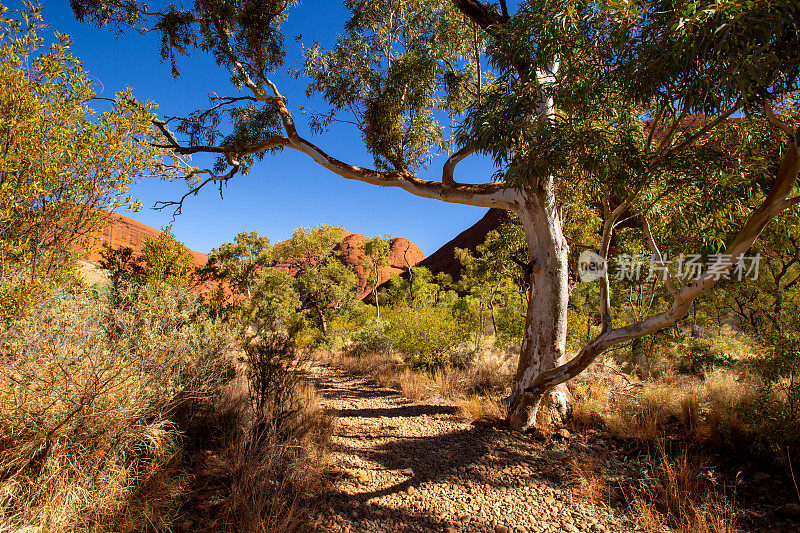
(775, 121)
(705, 129)
(450, 165)
(651, 243)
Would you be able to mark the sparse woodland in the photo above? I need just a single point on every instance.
(662, 396)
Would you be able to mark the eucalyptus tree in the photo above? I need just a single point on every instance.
(259, 297)
(497, 273)
(375, 255)
(554, 92)
(323, 280)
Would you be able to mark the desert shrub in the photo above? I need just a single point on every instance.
(425, 336)
(90, 400)
(372, 338)
(267, 470)
(345, 322)
(700, 355)
(271, 443)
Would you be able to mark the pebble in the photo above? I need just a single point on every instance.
(465, 478)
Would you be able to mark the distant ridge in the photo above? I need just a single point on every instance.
(125, 232)
(444, 259)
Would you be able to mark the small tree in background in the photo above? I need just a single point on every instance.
(259, 297)
(166, 260)
(324, 282)
(62, 164)
(376, 254)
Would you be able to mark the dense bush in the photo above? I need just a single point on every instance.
(90, 396)
(425, 336)
(371, 338)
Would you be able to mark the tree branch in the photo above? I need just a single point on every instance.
(776, 201)
(651, 243)
(450, 165)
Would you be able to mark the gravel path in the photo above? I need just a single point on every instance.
(407, 466)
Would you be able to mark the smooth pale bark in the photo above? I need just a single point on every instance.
(545, 336)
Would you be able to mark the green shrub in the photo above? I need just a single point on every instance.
(370, 339)
(426, 336)
(698, 356)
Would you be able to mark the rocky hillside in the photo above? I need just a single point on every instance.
(124, 232)
(444, 259)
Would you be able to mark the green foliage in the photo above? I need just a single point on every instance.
(495, 275)
(325, 282)
(423, 289)
(258, 297)
(165, 260)
(375, 255)
(426, 336)
(398, 64)
(63, 163)
(372, 338)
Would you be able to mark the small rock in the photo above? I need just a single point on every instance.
(564, 433)
(500, 529)
(410, 489)
(187, 525)
(354, 515)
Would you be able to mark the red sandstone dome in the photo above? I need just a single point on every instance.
(403, 253)
(124, 232)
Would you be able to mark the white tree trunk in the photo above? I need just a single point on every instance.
(544, 341)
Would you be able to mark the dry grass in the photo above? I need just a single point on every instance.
(258, 479)
(703, 409)
(671, 493)
(475, 387)
(111, 419)
(479, 409)
(416, 386)
(90, 397)
(591, 403)
(591, 478)
(728, 393)
(676, 496)
(380, 366)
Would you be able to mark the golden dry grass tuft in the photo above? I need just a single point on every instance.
(591, 478)
(676, 497)
(110, 406)
(479, 409)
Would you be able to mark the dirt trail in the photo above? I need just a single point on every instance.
(408, 466)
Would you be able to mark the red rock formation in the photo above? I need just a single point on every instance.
(124, 232)
(444, 259)
(402, 253)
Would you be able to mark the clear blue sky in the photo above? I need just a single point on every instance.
(283, 191)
